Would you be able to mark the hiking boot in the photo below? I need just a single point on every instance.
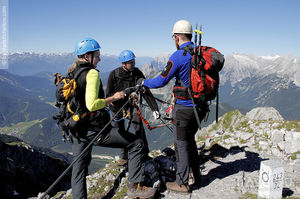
(173, 186)
(136, 191)
(122, 162)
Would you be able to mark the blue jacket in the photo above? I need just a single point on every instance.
(178, 66)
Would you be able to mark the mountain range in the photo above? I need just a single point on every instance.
(25, 64)
(248, 81)
(24, 98)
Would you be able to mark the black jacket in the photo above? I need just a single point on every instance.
(119, 80)
(81, 83)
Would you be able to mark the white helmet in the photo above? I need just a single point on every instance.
(183, 27)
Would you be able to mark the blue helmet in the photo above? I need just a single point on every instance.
(126, 55)
(86, 45)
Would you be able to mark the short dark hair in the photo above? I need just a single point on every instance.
(189, 36)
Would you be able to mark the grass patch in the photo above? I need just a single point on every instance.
(248, 195)
(226, 137)
(14, 143)
(242, 141)
(121, 193)
(294, 155)
(289, 125)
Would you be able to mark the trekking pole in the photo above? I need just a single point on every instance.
(86, 148)
(200, 39)
(195, 48)
(196, 63)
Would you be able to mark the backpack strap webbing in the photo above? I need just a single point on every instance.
(80, 70)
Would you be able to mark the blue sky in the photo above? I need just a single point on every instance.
(259, 27)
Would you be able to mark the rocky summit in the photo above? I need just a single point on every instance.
(231, 152)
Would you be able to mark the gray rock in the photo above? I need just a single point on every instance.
(281, 145)
(277, 136)
(263, 145)
(264, 113)
(276, 152)
(246, 136)
(110, 177)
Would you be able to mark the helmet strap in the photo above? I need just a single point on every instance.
(92, 58)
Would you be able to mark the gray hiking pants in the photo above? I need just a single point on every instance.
(113, 139)
(185, 127)
(139, 132)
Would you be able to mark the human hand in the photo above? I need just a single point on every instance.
(119, 95)
(140, 82)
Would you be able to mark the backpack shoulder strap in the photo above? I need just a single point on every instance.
(79, 71)
(188, 49)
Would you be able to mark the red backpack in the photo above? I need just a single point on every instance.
(204, 74)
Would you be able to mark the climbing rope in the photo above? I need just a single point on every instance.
(144, 120)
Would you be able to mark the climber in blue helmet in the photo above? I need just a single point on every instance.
(126, 55)
(90, 95)
(120, 79)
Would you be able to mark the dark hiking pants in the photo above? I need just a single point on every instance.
(139, 132)
(113, 139)
(185, 127)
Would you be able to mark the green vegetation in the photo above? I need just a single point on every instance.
(214, 127)
(69, 197)
(15, 110)
(201, 138)
(103, 186)
(229, 117)
(226, 137)
(243, 125)
(59, 194)
(248, 195)
(294, 155)
(266, 135)
(289, 125)
(243, 141)
(14, 143)
(18, 128)
(121, 193)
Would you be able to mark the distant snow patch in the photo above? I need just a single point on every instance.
(270, 57)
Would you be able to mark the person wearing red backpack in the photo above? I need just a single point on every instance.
(185, 124)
